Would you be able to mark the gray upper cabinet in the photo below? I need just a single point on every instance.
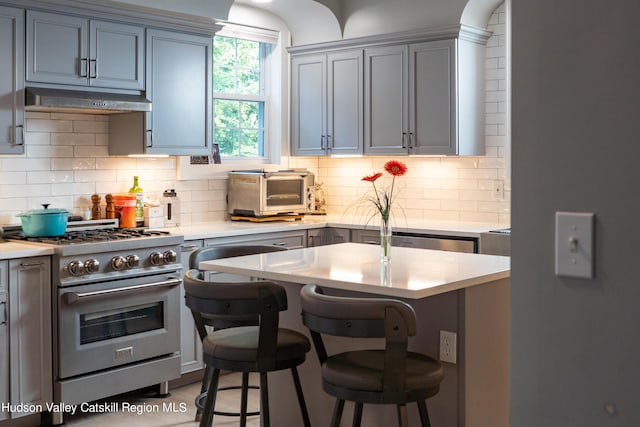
(327, 103)
(12, 80)
(73, 50)
(179, 84)
(417, 100)
(385, 98)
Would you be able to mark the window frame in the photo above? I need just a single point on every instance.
(268, 40)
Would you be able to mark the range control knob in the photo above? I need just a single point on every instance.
(169, 256)
(156, 258)
(91, 266)
(118, 263)
(75, 268)
(133, 261)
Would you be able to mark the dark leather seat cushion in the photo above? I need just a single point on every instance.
(241, 344)
(363, 370)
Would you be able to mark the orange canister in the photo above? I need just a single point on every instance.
(125, 206)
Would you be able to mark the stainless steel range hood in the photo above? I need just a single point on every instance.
(73, 101)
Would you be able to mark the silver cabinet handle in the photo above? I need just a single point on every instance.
(19, 138)
(149, 138)
(280, 244)
(3, 311)
(404, 145)
(93, 75)
(73, 297)
(410, 140)
(83, 67)
(31, 264)
(186, 248)
(322, 142)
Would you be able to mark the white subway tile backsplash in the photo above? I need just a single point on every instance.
(49, 177)
(73, 164)
(42, 125)
(49, 151)
(73, 139)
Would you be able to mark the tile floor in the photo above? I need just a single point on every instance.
(160, 412)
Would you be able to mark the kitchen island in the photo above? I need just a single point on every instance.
(463, 293)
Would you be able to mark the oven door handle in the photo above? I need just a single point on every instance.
(73, 297)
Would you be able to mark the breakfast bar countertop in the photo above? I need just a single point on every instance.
(411, 273)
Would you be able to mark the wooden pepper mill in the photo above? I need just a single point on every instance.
(95, 207)
(110, 210)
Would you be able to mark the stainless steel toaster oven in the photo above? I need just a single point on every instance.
(259, 193)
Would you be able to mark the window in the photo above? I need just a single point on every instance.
(240, 100)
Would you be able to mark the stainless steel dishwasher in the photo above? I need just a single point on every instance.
(420, 241)
(496, 242)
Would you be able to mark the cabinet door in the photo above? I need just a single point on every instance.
(178, 78)
(289, 239)
(190, 344)
(57, 50)
(116, 55)
(327, 236)
(308, 105)
(30, 331)
(4, 339)
(432, 97)
(385, 100)
(344, 103)
(12, 81)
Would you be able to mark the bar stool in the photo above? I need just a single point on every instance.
(391, 375)
(217, 252)
(263, 348)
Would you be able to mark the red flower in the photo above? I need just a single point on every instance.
(395, 167)
(372, 178)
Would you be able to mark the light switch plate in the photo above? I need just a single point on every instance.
(575, 244)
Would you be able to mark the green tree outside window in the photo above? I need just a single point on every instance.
(239, 116)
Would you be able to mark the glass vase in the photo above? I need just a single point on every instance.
(385, 242)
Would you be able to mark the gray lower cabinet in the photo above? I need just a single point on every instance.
(5, 370)
(73, 50)
(288, 239)
(25, 325)
(190, 344)
(327, 236)
(327, 109)
(11, 80)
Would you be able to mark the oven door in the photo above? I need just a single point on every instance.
(284, 193)
(114, 323)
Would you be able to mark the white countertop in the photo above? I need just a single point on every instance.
(236, 228)
(412, 273)
(10, 250)
(214, 229)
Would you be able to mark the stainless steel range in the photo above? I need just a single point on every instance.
(116, 308)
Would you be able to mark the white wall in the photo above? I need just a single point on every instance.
(575, 342)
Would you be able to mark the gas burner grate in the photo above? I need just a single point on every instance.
(76, 237)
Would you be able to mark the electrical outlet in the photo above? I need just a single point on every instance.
(448, 344)
(498, 190)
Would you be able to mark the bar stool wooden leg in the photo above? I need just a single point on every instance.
(357, 414)
(207, 414)
(424, 414)
(303, 405)
(243, 399)
(337, 413)
(264, 400)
